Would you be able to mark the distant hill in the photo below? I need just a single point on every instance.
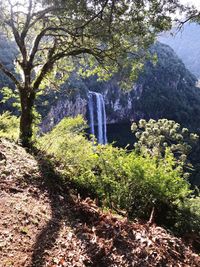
(8, 53)
(186, 44)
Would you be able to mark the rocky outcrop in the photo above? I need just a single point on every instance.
(119, 106)
(64, 108)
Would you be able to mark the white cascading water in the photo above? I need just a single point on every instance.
(97, 114)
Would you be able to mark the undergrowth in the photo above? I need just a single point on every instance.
(136, 184)
(122, 180)
(9, 126)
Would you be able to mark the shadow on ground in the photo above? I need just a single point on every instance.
(52, 183)
(63, 209)
(103, 240)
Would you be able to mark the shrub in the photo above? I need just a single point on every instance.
(67, 143)
(119, 179)
(9, 126)
(187, 218)
(138, 184)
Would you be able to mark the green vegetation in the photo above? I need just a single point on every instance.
(158, 137)
(140, 185)
(148, 182)
(155, 136)
(122, 180)
(9, 126)
(61, 32)
(187, 217)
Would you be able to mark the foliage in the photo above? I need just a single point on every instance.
(157, 137)
(118, 179)
(10, 97)
(188, 217)
(62, 32)
(69, 90)
(153, 183)
(68, 145)
(9, 126)
(124, 180)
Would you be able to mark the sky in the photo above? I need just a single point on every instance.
(196, 3)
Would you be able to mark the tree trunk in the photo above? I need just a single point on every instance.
(27, 97)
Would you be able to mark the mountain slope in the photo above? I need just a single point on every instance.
(186, 45)
(169, 90)
(165, 89)
(43, 224)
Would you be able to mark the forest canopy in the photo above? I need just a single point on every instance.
(53, 36)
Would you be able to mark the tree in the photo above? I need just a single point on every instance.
(52, 37)
(157, 137)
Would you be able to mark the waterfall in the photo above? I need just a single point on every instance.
(91, 111)
(97, 114)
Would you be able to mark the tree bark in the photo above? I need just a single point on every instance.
(27, 98)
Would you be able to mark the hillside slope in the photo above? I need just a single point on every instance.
(43, 224)
(186, 45)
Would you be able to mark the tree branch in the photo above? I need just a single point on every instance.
(9, 74)
(49, 64)
(40, 14)
(47, 67)
(42, 34)
(95, 16)
(28, 19)
(190, 18)
(11, 23)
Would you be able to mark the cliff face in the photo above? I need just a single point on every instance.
(163, 90)
(64, 108)
(119, 106)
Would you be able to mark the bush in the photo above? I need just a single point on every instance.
(187, 219)
(152, 183)
(138, 184)
(122, 180)
(119, 179)
(67, 143)
(9, 126)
